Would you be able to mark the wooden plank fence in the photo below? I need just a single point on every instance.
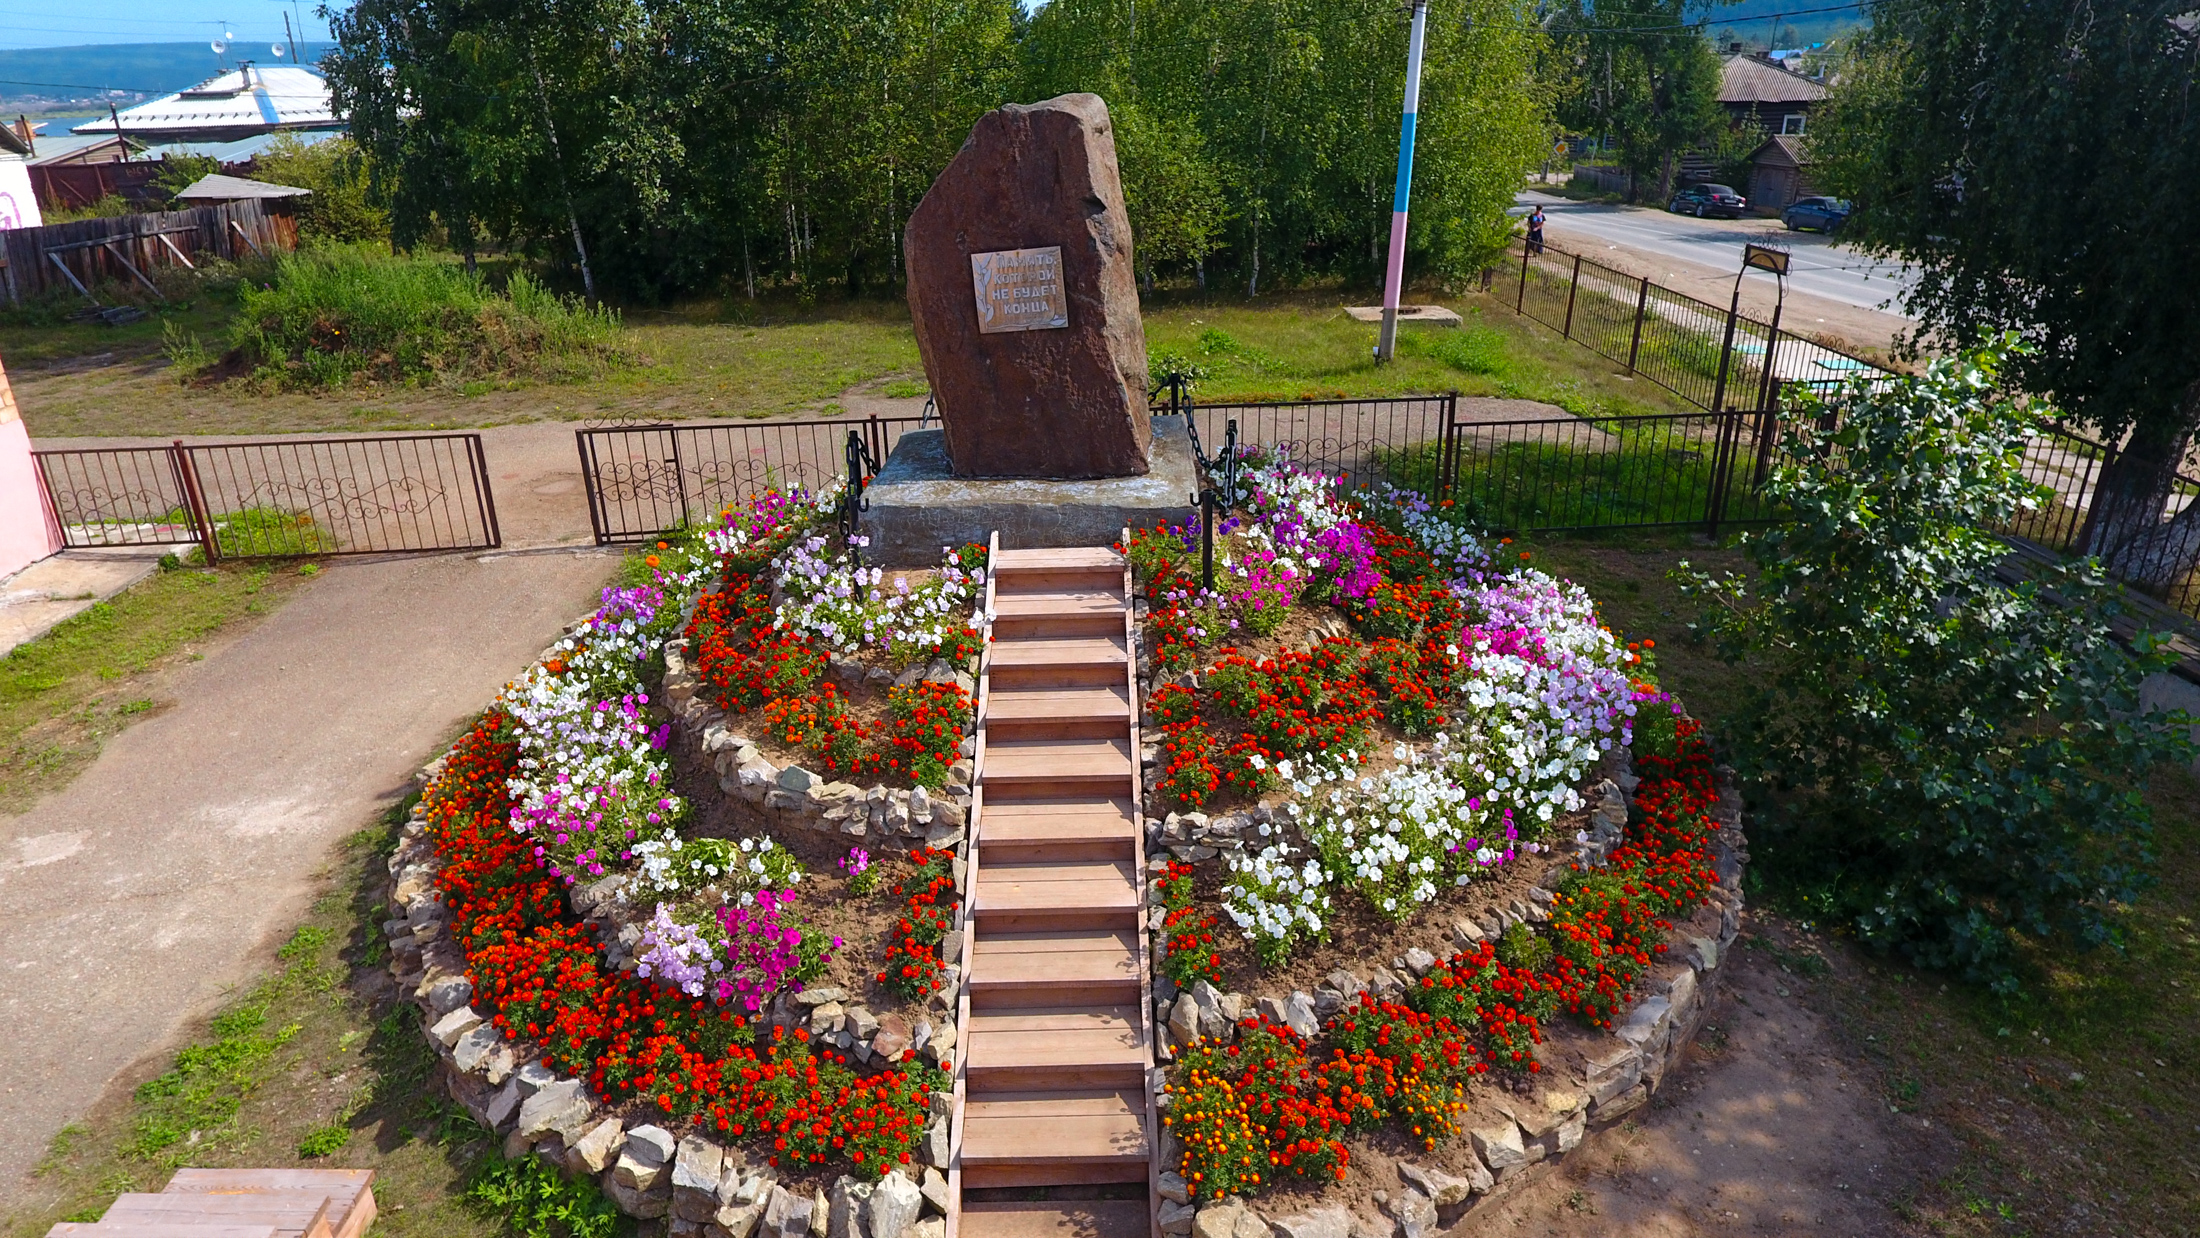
(74, 258)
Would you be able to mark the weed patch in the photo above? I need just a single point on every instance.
(339, 315)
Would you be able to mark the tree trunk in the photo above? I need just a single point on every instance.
(2126, 530)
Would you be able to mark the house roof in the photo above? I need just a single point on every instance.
(85, 148)
(1748, 80)
(215, 187)
(247, 100)
(1782, 150)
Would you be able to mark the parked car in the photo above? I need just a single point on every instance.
(1718, 201)
(1822, 214)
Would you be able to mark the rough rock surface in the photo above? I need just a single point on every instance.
(1057, 402)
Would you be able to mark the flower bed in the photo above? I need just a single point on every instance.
(585, 910)
(1381, 732)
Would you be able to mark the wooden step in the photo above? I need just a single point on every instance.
(1055, 897)
(1057, 613)
(166, 1229)
(350, 1191)
(291, 1214)
(1049, 1048)
(1068, 1218)
(1064, 661)
(1050, 1138)
(1038, 967)
(1007, 562)
(1041, 830)
(1060, 766)
(1095, 711)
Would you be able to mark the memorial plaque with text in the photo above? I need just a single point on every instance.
(1019, 290)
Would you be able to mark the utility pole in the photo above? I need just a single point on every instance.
(1394, 275)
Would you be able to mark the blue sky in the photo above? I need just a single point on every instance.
(65, 23)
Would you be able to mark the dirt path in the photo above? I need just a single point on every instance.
(134, 900)
(1771, 1126)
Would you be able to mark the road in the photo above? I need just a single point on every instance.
(1819, 267)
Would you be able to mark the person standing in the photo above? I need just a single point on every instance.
(1535, 230)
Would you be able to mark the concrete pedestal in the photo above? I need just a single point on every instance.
(918, 505)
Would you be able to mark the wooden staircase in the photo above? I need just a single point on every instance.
(240, 1203)
(1054, 1116)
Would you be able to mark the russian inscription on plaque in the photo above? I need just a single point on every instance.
(1019, 290)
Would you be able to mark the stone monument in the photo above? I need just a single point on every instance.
(1026, 312)
(1024, 299)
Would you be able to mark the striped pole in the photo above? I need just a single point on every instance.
(1394, 275)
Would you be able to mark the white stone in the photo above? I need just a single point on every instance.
(1176, 1218)
(894, 1206)
(1499, 1145)
(934, 1190)
(448, 993)
(1331, 1222)
(503, 1105)
(594, 1151)
(1441, 1188)
(696, 1169)
(562, 1107)
(735, 1221)
(1217, 1220)
(845, 1207)
(454, 1025)
(650, 1145)
(786, 1214)
(1645, 1027)
(1173, 1187)
(471, 1051)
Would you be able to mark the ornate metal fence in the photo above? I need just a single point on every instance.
(644, 481)
(1676, 341)
(277, 498)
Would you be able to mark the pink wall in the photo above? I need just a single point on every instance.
(26, 533)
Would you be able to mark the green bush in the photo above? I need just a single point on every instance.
(342, 207)
(1947, 764)
(336, 315)
(535, 1201)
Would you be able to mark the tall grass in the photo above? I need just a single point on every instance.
(340, 314)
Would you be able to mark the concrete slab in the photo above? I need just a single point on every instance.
(918, 505)
(35, 599)
(1406, 313)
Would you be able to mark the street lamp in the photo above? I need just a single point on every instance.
(1760, 258)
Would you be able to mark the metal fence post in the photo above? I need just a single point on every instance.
(1772, 351)
(1642, 303)
(679, 473)
(488, 506)
(1722, 471)
(1573, 286)
(1447, 460)
(1726, 349)
(1207, 537)
(1520, 303)
(598, 521)
(202, 521)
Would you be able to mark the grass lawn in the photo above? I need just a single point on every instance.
(2072, 1105)
(63, 694)
(737, 358)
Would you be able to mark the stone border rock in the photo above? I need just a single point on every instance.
(1513, 1139)
(702, 1189)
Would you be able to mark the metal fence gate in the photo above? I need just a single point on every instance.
(277, 498)
(645, 481)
